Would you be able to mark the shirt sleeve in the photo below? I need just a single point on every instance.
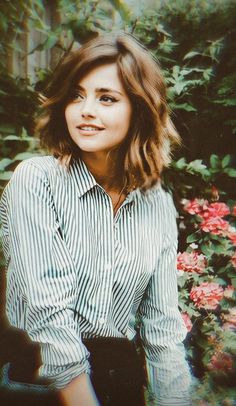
(41, 266)
(162, 329)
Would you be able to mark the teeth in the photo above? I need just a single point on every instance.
(89, 128)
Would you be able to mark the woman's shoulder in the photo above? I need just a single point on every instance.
(42, 162)
(36, 167)
(31, 172)
(31, 177)
(160, 195)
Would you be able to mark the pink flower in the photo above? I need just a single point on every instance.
(232, 237)
(229, 291)
(191, 262)
(195, 206)
(221, 361)
(215, 225)
(234, 211)
(187, 321)
(207, 295)
(216, 210)
(229, 327)
(229, 320)
(233, 260)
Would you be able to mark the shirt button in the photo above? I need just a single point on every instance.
(107, 268)
(101, 320)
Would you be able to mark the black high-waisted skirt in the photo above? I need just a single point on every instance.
(118, 373)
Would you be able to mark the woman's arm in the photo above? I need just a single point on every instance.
(41, 273)
(162, 329)
(79, 392)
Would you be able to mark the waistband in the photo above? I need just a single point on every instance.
(112, 352)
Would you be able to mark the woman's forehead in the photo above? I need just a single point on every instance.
(104, 76)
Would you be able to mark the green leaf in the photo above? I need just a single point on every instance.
(180, 164)
(215, 161)
(25, 155)
(207, 74)
(6, 175)
(191, 55)
(233, 281)
(220, 281)
(230, 172)
(226, 102)
(51, 41)
(4, 163)
(206, 250)
(196, 166)
(184, 106)
(206, 357)
(7, 128)
(179, 87)
(48, 44)
(192, 238)
(226, 160)
(12, 138)
(121, 8)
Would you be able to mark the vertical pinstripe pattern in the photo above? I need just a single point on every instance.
(74, 270)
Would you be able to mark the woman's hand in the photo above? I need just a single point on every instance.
(79, 392)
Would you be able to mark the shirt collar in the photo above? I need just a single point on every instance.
(82, 176)
(85, 181)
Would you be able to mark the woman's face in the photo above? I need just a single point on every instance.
(99, 113)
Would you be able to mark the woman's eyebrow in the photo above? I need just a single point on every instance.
(106, 90)
(101, 90)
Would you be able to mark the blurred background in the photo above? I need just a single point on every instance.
(195, 43)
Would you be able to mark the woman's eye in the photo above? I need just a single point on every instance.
(108, 99)
(77, 96)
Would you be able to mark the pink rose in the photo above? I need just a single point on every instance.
(233, 260)
(191, 262)
(232, 237)
(187, 321)
(195, 206)
(215, 225)
(216, 210)
(207, 295)
(221, 361)
(229, 291)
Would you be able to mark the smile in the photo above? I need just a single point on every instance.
(89, 128)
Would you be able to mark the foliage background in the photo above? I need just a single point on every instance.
(195, 42)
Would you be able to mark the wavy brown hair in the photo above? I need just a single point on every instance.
(147, 147)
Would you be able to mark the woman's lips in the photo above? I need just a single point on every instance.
(89, 129)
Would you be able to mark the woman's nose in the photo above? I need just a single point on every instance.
(88, 109)
(87, 114)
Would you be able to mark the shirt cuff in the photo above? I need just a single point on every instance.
(173, 402)
(170, 379)
(62, 376)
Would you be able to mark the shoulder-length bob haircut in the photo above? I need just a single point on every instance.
(147, 147)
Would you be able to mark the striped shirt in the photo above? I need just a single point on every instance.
(75, 271)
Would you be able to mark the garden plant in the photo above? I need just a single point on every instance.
(194, 42)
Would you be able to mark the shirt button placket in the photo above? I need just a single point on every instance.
(107, 265)
(101, 320)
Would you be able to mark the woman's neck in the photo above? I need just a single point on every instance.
(103, 168)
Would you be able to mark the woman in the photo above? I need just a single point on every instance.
(90, 236)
